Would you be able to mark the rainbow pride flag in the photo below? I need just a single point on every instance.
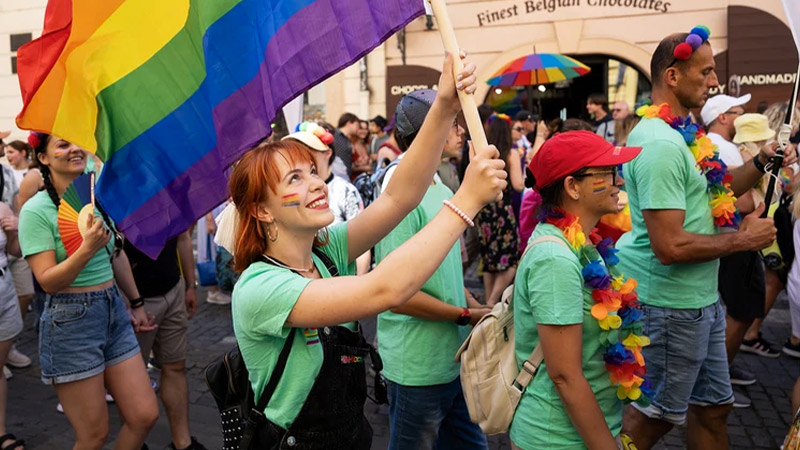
(170, 93)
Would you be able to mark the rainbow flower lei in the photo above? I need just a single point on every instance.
(706, 157)
(616, 307)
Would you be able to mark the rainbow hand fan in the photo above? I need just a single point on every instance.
(77, 205)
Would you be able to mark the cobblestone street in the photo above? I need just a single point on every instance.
(32, 411)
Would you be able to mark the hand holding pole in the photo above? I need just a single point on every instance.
(468, 105)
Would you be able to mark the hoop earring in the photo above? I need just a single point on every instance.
(269, 227)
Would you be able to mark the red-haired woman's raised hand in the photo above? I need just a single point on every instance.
(464, 81)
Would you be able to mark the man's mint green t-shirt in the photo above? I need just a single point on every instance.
(419, 352)
(549, 290)
(665, 176)
(262, 300)
(38, 232)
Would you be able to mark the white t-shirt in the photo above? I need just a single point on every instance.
(3, 243)
(343, 199)
(18, 175)
(728, 151)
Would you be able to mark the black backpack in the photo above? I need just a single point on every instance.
(228, 381)
(785, 227)
(369, 184)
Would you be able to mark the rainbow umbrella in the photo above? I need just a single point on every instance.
(538, 68)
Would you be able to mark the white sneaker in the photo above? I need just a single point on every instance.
(17, 359)
(60, 408)
(109, 398)
(7, 372)
(218, 298)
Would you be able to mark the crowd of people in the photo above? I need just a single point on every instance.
(329, 225)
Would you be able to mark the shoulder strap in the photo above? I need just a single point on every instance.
(531, 365)
(332, 269)
(280, 366)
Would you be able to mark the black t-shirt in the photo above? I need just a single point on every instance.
(154, 278)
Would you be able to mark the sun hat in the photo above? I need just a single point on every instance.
(411, 111)
(752, 128)
(312, 135)
(719, 104)
(567, 153)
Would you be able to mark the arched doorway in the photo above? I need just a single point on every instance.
(611, 75)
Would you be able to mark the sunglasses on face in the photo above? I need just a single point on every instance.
(614, 172)
(518, 129)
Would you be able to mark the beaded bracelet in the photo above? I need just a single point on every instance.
(458, 211)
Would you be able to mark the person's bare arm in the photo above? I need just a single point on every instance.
(337, 300)
(424, 306)
(562, 346)
(515, 171)
(745, 176)
(30, 185)
(187, 268)
(672, 244)
(411, 178)
(55, 277)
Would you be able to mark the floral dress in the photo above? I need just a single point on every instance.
(499, 247)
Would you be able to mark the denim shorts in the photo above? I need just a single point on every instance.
(82, 334)
(686, 360)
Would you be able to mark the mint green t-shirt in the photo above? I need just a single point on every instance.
(38, 232)
(262, 300)
(665, 176)
(419, 352)
(549, 290)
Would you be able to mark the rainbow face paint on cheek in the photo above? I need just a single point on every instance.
(60, 153)
(599, 186)
(290, 200)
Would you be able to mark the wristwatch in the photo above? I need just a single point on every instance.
(192, 285)
(464, 318)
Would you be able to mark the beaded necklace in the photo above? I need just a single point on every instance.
(616, 307)
(706, 158)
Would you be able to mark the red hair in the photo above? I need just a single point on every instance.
(255, 174)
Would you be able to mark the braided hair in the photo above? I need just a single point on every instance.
(39, 143)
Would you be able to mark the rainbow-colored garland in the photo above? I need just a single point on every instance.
(616, 307)
(707, 159)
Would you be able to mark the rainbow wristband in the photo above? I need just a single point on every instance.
(458, 211)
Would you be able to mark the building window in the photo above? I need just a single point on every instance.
(17, 41)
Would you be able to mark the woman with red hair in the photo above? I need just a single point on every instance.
(286, 298)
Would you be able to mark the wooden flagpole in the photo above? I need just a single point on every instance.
(468, 105)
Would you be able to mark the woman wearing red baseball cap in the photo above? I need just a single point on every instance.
(571, 301)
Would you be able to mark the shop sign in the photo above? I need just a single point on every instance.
(530, 7)
(400, 80)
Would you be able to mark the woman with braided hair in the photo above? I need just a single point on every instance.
(86, 342)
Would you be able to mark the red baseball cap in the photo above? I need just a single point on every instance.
(567, 153)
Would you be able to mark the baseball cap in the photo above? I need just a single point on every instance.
(752, 128)
(411, 111)
(523, 116)
(719, 104)
(567, 153)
